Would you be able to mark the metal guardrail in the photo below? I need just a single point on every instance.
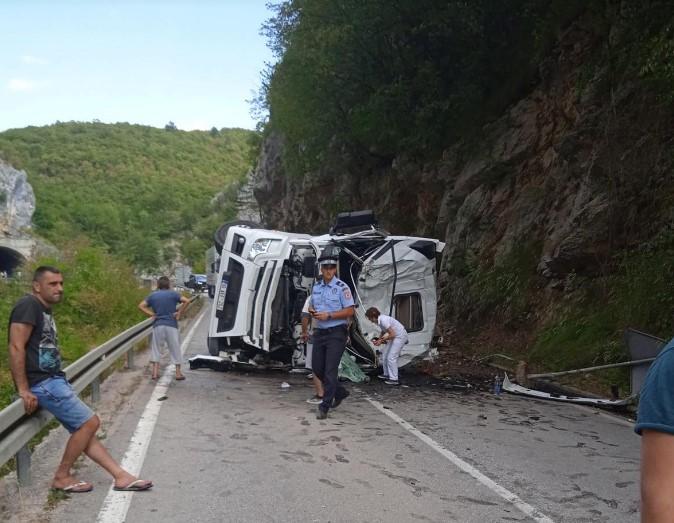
(17, 428)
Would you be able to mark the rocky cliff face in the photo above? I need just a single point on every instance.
(17, 201)
(575, 171)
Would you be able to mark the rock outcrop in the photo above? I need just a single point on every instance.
(574, 172)
(17, 201)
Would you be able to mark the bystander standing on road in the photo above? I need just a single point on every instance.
(308, 339)
(393, 337)
(161, 307)
(35, 362)
(655, 424)
(331, 307)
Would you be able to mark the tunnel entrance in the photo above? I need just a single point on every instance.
(10, 261)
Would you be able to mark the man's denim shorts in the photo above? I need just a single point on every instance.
(57, 396)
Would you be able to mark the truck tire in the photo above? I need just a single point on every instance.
(221, 234)
(214, 345)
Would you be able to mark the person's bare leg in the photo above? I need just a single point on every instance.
(178, 372)
(77, 443)
(318, 385)
(155, 370)
(99, 454)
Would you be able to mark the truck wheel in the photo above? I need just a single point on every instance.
(221, 234)
(214, 345)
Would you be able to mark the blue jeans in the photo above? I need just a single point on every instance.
(57, 396)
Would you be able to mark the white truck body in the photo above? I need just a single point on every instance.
(265, 277)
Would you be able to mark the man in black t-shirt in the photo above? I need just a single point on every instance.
(35, 362)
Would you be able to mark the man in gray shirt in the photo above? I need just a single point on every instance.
(161, 306)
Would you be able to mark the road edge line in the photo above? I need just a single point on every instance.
(504, 493)
(116, 504)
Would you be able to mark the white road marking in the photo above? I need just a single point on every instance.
(116, 504)
(524, 507)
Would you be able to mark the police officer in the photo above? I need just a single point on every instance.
(331, 307)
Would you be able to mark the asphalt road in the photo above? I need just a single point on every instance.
(236, 447)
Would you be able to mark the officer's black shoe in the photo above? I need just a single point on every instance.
(340, 398)
(321, 414)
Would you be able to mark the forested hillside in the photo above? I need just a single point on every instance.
(146, 194)
(532, 136)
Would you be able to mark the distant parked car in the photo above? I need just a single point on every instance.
(197, 282)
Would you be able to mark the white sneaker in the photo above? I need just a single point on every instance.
(392, 382)
(315, 400)
(310, 376)
(383, 377)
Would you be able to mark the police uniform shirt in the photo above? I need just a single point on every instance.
(331, 297)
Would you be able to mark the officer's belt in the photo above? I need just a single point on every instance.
(326, 330)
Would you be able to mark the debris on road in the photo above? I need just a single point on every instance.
(518, 389)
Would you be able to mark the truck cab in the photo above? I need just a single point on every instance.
(265, 277)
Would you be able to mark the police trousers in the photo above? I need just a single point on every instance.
(328, 349)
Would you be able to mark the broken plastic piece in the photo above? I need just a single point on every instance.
(518, 389)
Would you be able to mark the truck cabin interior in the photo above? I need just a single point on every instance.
(297, 277)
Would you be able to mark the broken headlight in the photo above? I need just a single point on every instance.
(262, 246)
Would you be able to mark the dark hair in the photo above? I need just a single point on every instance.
(163, 282)
(39, 272)
(372, 312)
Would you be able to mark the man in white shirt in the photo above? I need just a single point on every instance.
(393, 336)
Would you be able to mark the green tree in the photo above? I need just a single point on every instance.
(136, 190)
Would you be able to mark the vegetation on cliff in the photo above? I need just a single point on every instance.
(143, 193)
(379, 89)
(389, 78)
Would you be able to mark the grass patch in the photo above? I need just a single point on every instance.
(54, 497)
(503, 288)
(588, 332)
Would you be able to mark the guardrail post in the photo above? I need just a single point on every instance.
(129, 359)
(23, 466)
(96, 390)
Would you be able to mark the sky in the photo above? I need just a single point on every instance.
(195, 63)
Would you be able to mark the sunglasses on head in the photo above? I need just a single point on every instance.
(328, 266)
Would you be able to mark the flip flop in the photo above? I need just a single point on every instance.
(76, 488)
(139, 484)
(180, 378)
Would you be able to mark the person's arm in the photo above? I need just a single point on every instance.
(342, 314)
(657, 476)
(306, 321)
(389, 334)
(19, 334)
(184, 302)
(143, 306)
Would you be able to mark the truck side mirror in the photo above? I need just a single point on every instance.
(309, 267)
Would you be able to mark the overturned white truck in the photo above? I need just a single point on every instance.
(264, 277)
